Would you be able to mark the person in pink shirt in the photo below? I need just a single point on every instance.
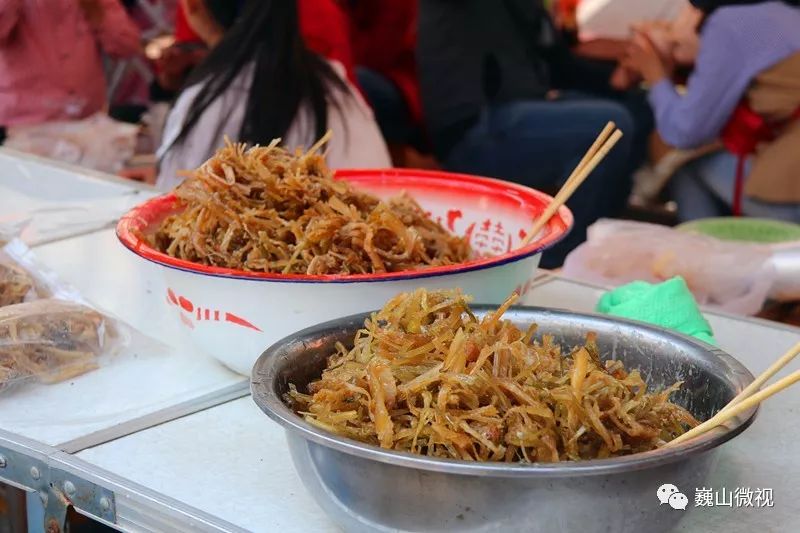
(50, 62)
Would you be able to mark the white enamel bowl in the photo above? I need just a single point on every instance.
(233, 314)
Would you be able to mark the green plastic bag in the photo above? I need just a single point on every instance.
(669, 304)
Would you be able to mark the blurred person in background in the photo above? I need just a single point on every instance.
(174, 62)
(383, 39)
(260, 82)
(745, 89)
(678, 39)
(494, 79)
(325, 29)
(565, 13)
(323, 25)
(50, 63)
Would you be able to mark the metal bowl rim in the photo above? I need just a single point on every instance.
(272, 405)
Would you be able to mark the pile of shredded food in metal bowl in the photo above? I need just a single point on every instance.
(264, 209)
(427, 376)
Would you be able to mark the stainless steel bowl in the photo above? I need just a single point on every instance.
(366, 488)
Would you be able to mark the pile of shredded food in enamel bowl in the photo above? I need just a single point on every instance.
(259, 242)
(265, 209)
(427, 376)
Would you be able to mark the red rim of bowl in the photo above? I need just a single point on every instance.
(144, 215)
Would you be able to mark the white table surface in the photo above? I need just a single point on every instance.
(229, 461)
(232, 462)
(48, 200)
(160, 375)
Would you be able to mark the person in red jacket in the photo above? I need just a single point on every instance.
(323, 25)
(325, 29)
(383, 39)
(183, 31)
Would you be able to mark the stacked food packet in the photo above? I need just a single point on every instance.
(48, 333)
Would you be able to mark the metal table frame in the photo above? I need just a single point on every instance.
(55, 480)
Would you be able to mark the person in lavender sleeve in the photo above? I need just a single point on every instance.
(745, 89)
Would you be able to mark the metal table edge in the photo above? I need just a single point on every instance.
(138, 505)
(226, 394)
(134, 186)
(55, 476)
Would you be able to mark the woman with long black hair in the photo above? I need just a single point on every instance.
(745, 89)
(260, 82)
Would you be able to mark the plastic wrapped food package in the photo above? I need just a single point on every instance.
(23, 279)
(54, 340)
(731, 276)
(16, 286)
(48, 332)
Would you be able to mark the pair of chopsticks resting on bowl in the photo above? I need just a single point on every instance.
(597, 152)
(751, 395)
(748, 398)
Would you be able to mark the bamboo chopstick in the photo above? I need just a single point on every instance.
(773, 369)
(598, 142)
(748, 397)
(580, 174)
(728, 413)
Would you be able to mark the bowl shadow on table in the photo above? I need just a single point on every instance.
(363, 488)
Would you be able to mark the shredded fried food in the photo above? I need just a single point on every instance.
(50, 340)
(15, 284)
(427, 376)
(264, 209)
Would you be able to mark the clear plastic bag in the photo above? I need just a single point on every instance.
(96, 142)
(734, 277)
(16, 286)
(48, 332)
(54, 340)
(23, 279)
(8, 232)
